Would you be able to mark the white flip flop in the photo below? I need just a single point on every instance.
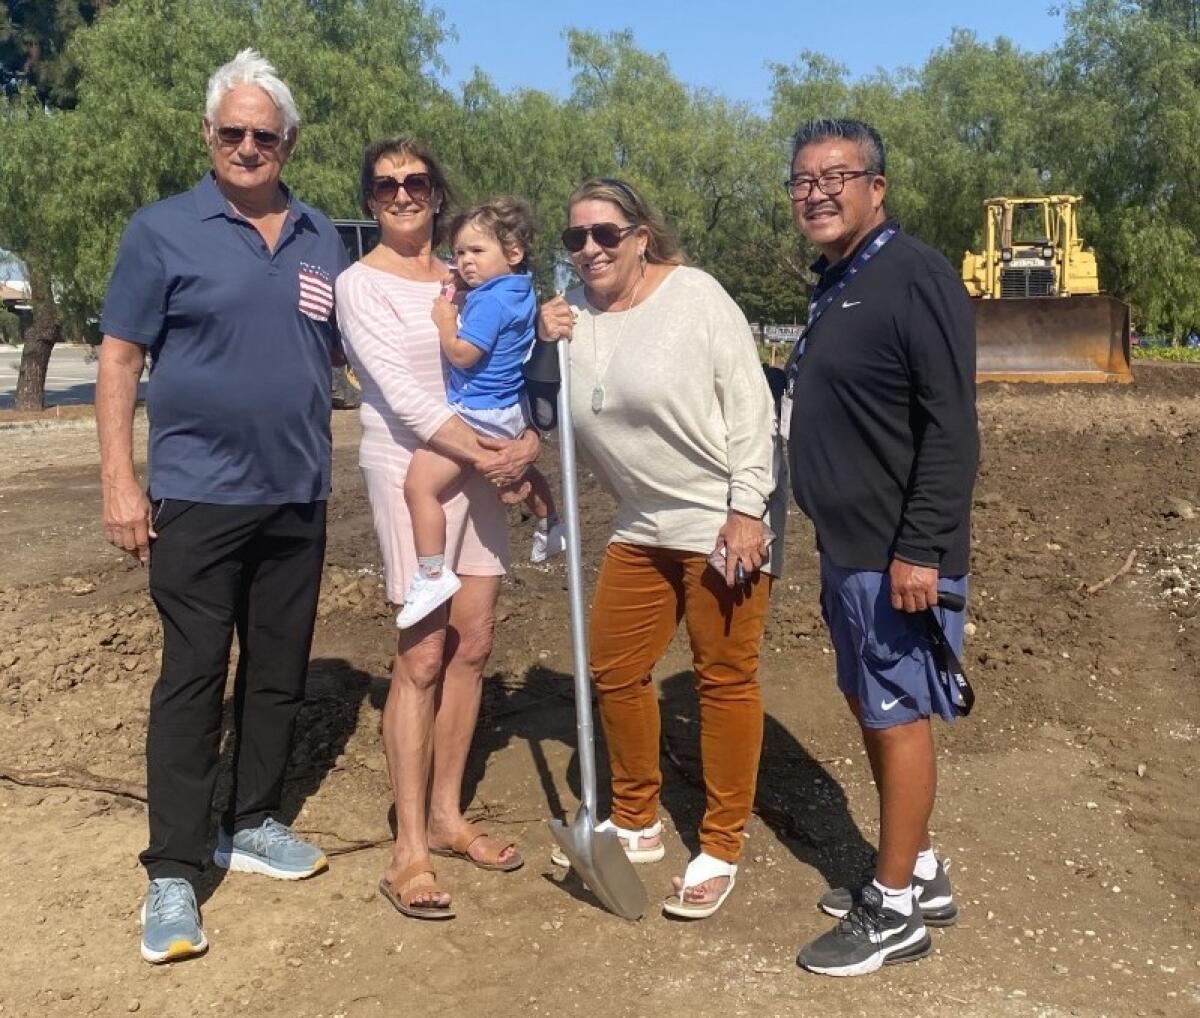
(703, 867)
(631, 841)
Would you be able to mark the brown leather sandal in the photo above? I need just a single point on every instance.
(470, 834)
(403, 900)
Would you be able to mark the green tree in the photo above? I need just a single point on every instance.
(1127, 92)
(135, 134)
(33, 46)
(37, 79)
(962, 128)
(36, 227)
(711, 165)
(982, 133)
(526, 143)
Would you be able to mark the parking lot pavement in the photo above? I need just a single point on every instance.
(70, 380)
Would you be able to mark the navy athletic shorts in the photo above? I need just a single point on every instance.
(883, 655)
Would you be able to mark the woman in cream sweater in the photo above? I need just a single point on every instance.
(673, 413)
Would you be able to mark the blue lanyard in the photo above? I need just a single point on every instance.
(818, 307)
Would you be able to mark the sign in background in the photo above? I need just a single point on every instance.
(781, 333)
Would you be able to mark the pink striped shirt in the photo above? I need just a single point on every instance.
(392, 344)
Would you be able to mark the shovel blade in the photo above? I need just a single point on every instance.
(602, 865)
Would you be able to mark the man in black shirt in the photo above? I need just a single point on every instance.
(883, 447)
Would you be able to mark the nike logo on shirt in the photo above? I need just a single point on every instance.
(851, 303)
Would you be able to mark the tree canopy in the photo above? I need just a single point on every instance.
(105, 100)
(33, 46)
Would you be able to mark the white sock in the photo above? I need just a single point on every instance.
(431, 566)
(926, 868)
(543, 525)
(897, 900)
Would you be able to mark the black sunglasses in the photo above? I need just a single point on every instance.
(418, 186)
(610, 235)
(232, 136)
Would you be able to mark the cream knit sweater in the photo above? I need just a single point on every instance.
(687, 430)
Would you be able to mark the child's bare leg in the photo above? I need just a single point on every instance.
(540, 498)
(429, 474)
(549, 536)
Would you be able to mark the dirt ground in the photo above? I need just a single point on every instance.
(1067, 801)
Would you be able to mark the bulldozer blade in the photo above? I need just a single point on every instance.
(1052, 339)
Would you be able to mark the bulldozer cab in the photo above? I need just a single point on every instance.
(1031, 249)
(1039, 313)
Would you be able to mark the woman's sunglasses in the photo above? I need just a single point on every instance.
(418, 186)
(231, 136)
(608, 235)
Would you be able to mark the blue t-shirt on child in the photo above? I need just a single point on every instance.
(498, 317)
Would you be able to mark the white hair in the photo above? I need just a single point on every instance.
(250, 67)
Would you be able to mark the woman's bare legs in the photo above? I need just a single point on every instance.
(408, 743)
(468, 644)
(429, 720)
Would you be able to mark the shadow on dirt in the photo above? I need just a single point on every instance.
(798, 799)
(327, 719)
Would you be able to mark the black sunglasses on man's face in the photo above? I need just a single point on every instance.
(232, 136)
(418, 186)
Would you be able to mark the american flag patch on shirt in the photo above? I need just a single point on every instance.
(316, 292)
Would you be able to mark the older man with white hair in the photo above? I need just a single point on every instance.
(229, 286)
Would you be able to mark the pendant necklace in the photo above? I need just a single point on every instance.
(598, 386)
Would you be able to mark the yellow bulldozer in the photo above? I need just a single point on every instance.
(1039, 312)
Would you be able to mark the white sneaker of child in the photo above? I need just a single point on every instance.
(425, 593)
(548, 543)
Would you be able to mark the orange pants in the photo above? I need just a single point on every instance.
(642, 594)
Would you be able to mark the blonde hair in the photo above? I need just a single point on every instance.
(508, 219)
(661, 246)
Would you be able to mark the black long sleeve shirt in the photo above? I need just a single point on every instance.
(883, 441)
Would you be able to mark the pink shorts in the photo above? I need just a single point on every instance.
(476, 530)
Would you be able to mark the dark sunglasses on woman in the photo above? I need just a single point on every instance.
(418, 186)
(608, 235)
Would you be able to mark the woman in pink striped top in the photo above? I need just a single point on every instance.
(384, 304)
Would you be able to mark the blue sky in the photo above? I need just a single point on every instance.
(726, 45)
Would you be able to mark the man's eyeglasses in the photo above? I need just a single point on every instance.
(418, 186)
(609, 235)
(231, 136)
(827, 183)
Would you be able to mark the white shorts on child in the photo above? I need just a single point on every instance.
(496, 422)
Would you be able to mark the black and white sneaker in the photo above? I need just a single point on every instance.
(934, 897)
(867, 938)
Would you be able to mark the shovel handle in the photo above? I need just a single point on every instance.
(583, 689)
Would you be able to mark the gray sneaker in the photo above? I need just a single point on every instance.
(869, 937)
(935, 898)
(271, 849)
(171, 922)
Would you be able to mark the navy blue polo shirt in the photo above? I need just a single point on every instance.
(240, 340)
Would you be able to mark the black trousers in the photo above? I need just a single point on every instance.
(214, 570)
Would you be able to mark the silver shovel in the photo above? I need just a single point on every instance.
(598, 859)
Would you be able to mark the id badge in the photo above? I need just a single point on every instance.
(785, 404)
